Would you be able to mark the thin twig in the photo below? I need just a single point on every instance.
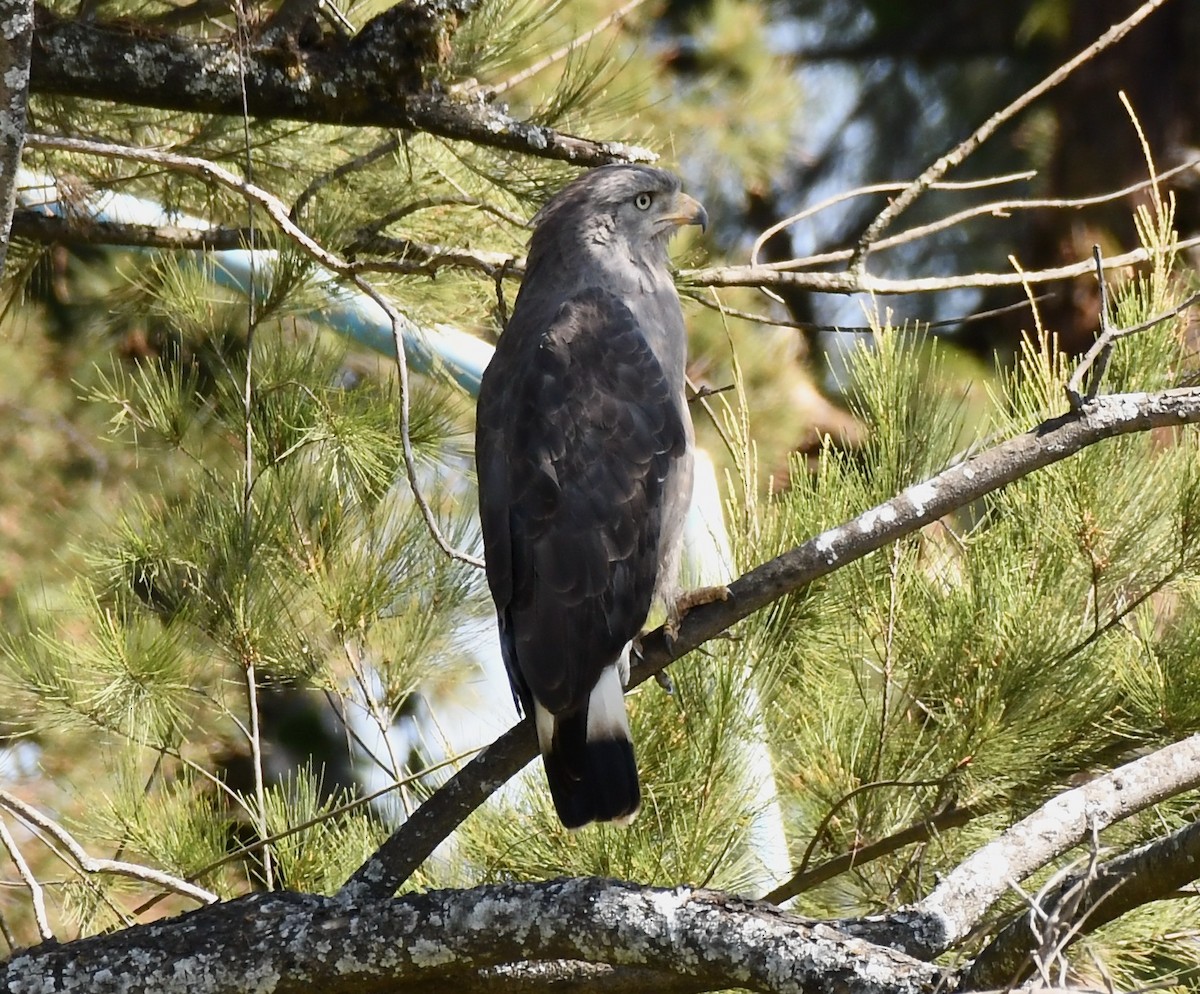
(849, 282)
(965, 894)
(248, 478)
(841, 802)
(254, 737)
(1151, 872)
(1098, 354)
(920, 831)
(383, 722)
(889, 646)
(336, 812)
(89, 864)
(428, 203)
(353, 165)
(36, 896)
(10, 939)
(957, 155)
(998, 208)
(869, 190)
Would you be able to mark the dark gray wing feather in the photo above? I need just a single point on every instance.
(578, 431)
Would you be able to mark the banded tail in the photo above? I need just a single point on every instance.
(588, 756)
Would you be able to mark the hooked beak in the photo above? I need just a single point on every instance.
(688, 210)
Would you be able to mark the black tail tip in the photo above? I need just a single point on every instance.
(599, 785)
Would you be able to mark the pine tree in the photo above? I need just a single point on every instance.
(230, 678)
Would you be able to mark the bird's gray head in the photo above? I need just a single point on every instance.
(619, 208)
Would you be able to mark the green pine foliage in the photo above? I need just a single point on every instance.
(233, 526)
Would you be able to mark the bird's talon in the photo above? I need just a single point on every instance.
(689, 600)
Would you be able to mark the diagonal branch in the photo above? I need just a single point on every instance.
(1052, 441)
(981, 134)
(807, 877)
(1148, 873)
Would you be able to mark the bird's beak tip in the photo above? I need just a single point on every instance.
(692, 211)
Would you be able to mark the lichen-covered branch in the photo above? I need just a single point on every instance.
(384, 76)
(293, 943)
(16, 35)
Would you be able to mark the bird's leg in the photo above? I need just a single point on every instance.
(662, 678)
(688, 600)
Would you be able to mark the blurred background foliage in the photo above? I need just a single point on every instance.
(159, 575)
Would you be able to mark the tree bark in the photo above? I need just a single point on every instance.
(384, 76)
(16, 34)
(297, 943)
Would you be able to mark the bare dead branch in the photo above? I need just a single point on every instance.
(297, 943)
(995, 209)
(920, 504)
(866, 191)
(957, 155)
(847, 282)
(91, 864)
(966, 893)
(36, 895)
(1151, 872)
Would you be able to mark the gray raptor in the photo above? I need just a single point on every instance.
(584, 452)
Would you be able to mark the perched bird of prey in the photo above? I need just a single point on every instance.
(584, 452)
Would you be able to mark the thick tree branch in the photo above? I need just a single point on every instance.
(294, 943)
(379, 78)
(1051, 441)
(1149, 873)
(16, 35)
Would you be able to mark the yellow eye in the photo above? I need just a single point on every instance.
(642, 201)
